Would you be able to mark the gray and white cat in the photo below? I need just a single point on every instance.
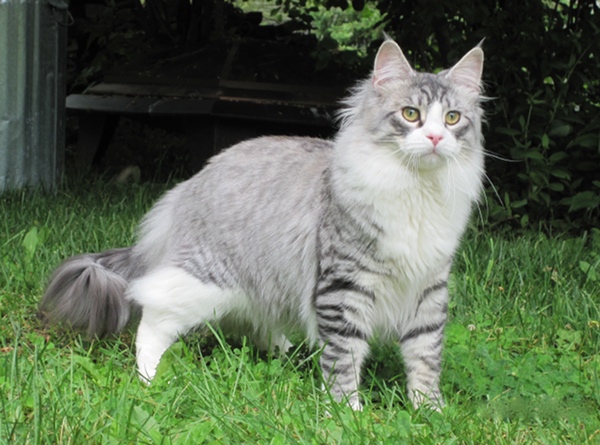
(344, 240)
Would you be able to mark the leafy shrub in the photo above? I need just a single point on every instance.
(346, 31)
(346, 34)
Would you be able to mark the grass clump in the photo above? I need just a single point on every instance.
(521, 361)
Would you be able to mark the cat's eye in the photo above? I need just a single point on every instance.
(452, 117)
(411, 114)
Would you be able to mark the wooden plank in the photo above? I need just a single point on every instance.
(128, 89)
(284, 88)
(229, 90)
(249, 110)
(138, 105)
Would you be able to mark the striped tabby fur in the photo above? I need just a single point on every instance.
(345, 240)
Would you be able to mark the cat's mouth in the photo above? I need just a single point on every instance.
(430, 158)
(427, 156)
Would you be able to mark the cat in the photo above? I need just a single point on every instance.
(346, 240)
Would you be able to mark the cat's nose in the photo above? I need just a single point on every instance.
(435, 138)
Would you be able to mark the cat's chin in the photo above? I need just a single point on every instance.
(430, 161)
(425, 157)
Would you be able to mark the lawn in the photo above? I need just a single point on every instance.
(521, 362)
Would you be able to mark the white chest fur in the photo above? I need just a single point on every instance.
(422, 230)
(422, 216)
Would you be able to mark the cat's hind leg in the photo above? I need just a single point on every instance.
(272, 342)
(173, 301)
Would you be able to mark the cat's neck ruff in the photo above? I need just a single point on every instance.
(422, 213)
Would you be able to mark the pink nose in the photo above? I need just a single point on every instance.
(435, 138)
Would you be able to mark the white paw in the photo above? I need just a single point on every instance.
(426, 400)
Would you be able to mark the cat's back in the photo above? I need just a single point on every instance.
(264, 159)
(283, 168)
(257, 203)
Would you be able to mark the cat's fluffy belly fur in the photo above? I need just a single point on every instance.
(344, 240)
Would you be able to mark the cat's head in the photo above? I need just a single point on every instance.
(425, 119)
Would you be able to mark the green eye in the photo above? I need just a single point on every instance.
(411, 114)
(452, 117)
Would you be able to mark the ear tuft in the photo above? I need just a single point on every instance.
(390, 63)
(467, 72)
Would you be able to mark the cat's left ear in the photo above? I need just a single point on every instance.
(390, 64)
(467, 72)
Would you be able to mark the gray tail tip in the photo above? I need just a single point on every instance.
(85, 296)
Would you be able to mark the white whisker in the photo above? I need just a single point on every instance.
(492, 155)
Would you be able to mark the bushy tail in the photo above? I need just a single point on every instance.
(87, 292)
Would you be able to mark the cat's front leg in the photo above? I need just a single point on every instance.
(343, 310)
(421, 344)
(341, 363)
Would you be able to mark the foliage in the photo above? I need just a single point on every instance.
(346, 31)
(101, 38)
(110, 33)
(555, 127)
(520, 360)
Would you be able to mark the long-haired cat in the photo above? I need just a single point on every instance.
(345, 239)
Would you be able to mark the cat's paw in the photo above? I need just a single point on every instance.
(355, 404)
(432, 401)
(273, 344)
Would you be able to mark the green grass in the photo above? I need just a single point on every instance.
(521, 363)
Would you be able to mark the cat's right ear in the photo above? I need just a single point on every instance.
(390, 64)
